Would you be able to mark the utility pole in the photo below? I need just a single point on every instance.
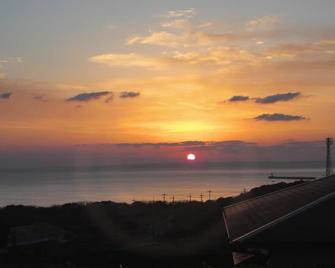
(201, 196)
(209, 195)
(329, 168)
(173, 199)
(190, 198)
(164, 195)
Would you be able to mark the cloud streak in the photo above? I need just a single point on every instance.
(279, 117)
(86, 97)
(5, 95)
(282, 97)
(181, 13)
(262, 23)
(184, 39)
(278, 97)
(40, 98)
(128, 60)
(239, 98)
(129, 94)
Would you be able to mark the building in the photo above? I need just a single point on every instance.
(293, 226)
(36, 234)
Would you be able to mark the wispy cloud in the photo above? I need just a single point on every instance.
(5, 95)
(110, 98)
(262, 23)
(239, 98)
(220, 55)
(325, 47)
(86, 97)
(165, 144)
(278, 97)
(128, 60)
(181, 13)
(41, 98)
(279, 117)
(176, 24)
(205, 24)
(129, 94)
(282, 97)
(184, 39)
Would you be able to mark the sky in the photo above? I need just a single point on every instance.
(165, 72)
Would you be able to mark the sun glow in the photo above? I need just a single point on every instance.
(191, 157)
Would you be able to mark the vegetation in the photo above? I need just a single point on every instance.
(108, 234)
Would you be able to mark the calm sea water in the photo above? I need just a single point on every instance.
(43, 188)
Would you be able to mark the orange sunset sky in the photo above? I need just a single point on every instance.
(74, 72)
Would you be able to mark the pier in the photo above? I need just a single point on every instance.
(272, 177)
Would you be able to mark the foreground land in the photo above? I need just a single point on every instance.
(108, 234)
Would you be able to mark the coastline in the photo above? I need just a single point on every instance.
(182, 234)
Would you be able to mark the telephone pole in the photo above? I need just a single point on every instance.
(201, 197)
(209, 195)
(164, 195)
(329, 168)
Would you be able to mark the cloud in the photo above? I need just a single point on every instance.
(220, 153)
(184, 39)
(323, 47)
(5, 95)
(279, 117)
(41, 98)
(268, 99)
(91, 96)
(181, 13)
(161, 38)
(128, 60)
(110, 98)
(19, 60)
(129, 94)
(278, 97)
(218, 56)
(239, 98)
(86, 97)
(177, 24)
(205, 24)
(166, 144)
(262, 23)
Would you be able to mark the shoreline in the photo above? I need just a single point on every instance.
(134, 235)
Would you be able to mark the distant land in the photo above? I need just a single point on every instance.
(126, 166)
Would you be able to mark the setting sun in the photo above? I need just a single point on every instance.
(191, 157)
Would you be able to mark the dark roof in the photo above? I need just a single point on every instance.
(35, 233)
(247, 218)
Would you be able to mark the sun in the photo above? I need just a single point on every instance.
(191, 157)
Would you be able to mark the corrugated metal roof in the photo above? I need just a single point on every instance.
(249, 217)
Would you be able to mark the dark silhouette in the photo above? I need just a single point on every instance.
(156, 234)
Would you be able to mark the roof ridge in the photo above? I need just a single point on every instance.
(281, 190)
(285, 217)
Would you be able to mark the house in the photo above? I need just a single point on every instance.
(292, 226)
(36, 234)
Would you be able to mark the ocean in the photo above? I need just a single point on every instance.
(121, 184)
